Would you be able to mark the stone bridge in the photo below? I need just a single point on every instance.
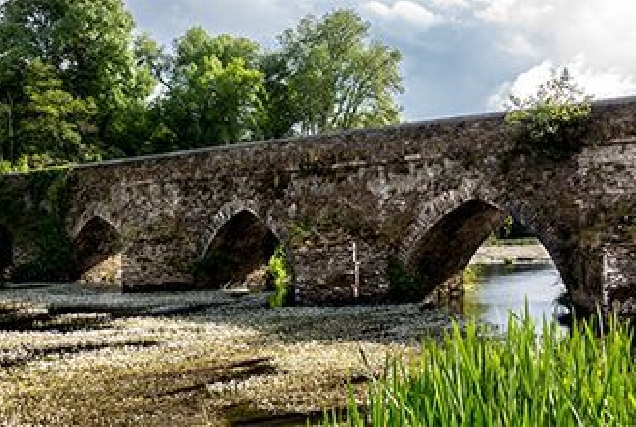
(423, 196)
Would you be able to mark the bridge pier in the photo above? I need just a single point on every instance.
(333, 267)
(149, 266)
(619, 276)
(602, 278)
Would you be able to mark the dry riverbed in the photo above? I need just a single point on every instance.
(72, 355)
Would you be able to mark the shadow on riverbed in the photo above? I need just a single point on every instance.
(61, 318)
(30, 354)
(67, 308)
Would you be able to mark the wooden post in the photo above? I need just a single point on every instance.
(356, 271)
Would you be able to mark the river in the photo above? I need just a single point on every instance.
(503, 288)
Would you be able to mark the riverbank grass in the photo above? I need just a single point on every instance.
(520, 379)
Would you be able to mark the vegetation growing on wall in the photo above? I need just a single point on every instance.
(404, 285)
(553, 120)
(35, 211)
(278, 269)
(470, 276)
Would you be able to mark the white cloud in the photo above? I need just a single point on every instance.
(602, 30)
(515, 11)
(451, 3)
(600, 83)
(518, 45)
(406, 11)
(596, 39)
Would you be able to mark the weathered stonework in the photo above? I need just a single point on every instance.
(427, 193)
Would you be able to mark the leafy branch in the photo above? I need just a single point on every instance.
(554, 119)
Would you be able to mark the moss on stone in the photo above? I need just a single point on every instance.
(404, 284)
(34, 211)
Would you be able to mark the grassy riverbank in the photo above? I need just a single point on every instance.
(515, 380)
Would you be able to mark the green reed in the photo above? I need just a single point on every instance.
(587, 378)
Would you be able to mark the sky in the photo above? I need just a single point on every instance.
(460, 56)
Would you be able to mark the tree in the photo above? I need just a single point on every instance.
(52, 121)
(86, 46)
(213, 89)
(554, 118)
(338, 78)
(280, 113)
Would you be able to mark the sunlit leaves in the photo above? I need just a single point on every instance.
(340, 79)
(86, 49)
(554, 118)
(213, 92)
(515, 380)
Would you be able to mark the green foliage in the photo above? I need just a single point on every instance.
(68, 80)
(51, 119)
(54, 257)
(37, 225)
(214, 89)
(470, 276)
(75, 86)
(554, 119)
(279, 271)
(338, 78)
(280, 113)
(404, 285)
(516, 380)
(507, 226)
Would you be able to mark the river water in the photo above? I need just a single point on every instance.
(503, 288)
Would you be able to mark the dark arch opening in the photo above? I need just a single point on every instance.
(6, 253)
(449, 245)
(97, 253)
(238, 255)
(509, 264)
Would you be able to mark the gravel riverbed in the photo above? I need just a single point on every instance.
(72, 355)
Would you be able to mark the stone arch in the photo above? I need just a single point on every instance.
(99, 210)
(451, 227)
(429, 213)
(6, 252)
(227, 212)
(236, 248)
(97, 250)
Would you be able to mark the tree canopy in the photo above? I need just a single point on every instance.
(76, 86)
(212, 89)
(340, 79)
(67, 73)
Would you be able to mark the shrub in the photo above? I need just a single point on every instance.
(554, 119)
(278, 270)
(404, 285)
(471, 276)
(515, 380)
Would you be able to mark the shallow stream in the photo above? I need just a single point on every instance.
(503, 288)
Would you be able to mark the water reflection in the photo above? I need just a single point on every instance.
(502, 288)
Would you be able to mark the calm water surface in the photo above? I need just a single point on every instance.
(504, 288)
